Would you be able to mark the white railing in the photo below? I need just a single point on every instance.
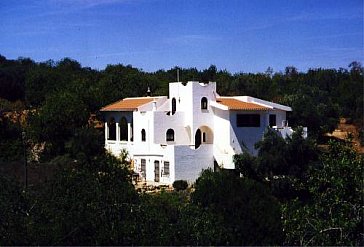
(287, 131)
(115, 147)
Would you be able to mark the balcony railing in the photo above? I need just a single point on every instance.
(287, 131)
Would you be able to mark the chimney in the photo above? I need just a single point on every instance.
(148, 92)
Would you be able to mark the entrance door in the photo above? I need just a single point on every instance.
(156, 171)
(197, 138)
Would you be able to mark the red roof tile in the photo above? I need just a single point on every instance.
(128, 104)
(234, 104)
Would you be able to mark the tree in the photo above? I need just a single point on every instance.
(13, 208)
(244, 204)
(56, 121)
(86, 203)
(13, 74)
(85, 144)
(277, 156)
(280, 163)
(312, 108)
(11, 147)
(334, 215)
(209, 74)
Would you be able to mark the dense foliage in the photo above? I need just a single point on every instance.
(280, 162)
(321, 195)
(290, 193)
(318, 97)
(247, 208)
(11, 147)
(180, 185)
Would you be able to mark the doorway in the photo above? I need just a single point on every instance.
(197, 138)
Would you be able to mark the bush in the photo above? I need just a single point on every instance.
(250, 214)
(334, 215)
(179, 185)
(11, 147)
(13, 208)
(84, 204)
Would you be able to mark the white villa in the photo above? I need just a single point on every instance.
(175, 137)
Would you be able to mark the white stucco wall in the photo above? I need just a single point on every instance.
(190, 162)
(143, 120)
(183, 95)
(223, 152)
(246, 136)
(221, 127)
(166, 153)
(280, 116)
(188, 99)
(223, 137)
(163, 122)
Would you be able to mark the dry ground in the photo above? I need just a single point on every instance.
(346, 129)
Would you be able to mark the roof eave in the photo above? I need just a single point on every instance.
(118, 109)
(256, 109)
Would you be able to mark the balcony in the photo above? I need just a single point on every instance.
(115, 147)
(287, 131)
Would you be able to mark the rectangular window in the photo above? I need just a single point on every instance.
(166, 168)
(248, 120)
(143, 167)
(272, 120)
(156, 171)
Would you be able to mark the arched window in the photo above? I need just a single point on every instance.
(112, 130)
(170, 135)
(123, 125)
(173, 105)
(143, 135)
(204, 103)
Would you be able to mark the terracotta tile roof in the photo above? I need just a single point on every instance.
(128, 104)
(234, 104)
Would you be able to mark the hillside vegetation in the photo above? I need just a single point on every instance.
(291, 193)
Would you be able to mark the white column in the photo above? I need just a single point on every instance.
(117, 132)
(106, 132)
(129, 132)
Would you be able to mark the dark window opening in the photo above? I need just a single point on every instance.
(204, 103)
(272, 120)
(143, 135)
(173, 106)
(248, 120)
(143, 168)
(112, 130)
(123, 126)
(197, 138)
(166, 168)
(156, 170)
(170, 135)
(203, 137)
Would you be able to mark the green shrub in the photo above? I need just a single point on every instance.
(179, 185)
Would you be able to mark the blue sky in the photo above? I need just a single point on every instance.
(237, 35)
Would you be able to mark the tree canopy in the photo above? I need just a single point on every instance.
(291, 193)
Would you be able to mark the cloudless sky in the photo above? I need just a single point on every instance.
(237, 35)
